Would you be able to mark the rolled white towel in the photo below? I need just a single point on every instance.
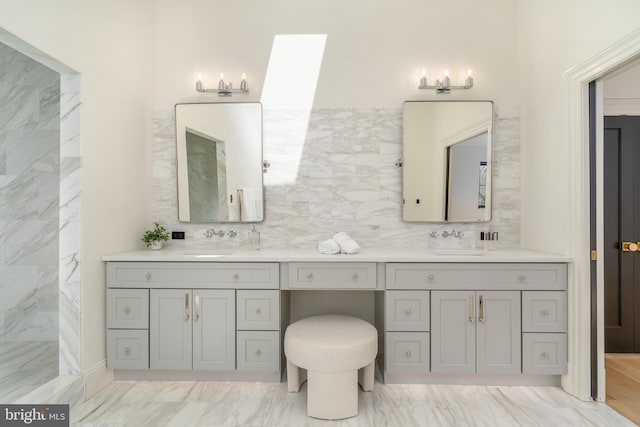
(347, 244)
(329, 247)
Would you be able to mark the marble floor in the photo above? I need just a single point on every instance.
(190, 403)
(26, 365)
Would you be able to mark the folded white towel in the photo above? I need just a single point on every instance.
(347, 244)
(329, 247)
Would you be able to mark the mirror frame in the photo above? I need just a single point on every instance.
(446, 167)
(181, 159)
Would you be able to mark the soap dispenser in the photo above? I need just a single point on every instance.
(254, 238)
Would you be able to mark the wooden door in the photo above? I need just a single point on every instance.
(498, 332)
(214, 325)
(621, 223)
(453, 331)
(170, 329)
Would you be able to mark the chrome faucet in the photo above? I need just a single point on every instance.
(210, 232)
(458, 234)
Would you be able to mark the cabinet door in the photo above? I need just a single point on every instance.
(214, 343)
(170, 328)
(498, 332)
(453, 328)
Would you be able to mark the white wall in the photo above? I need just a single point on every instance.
(374, 53)
(621, 91)
(110, 44)
(554, 37)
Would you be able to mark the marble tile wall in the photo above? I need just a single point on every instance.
(334, 170)
(29, 198)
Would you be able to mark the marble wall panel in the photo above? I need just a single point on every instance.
(29, 197)
(334, 170)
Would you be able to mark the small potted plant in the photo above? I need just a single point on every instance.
(154, 238)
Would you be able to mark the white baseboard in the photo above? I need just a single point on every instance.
(96, 378)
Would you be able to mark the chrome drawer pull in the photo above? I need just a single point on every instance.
(481, 310)
(127, 310)
(186, 307)
(127, 350)
(471, 309)
(196, 307)
(147, 276)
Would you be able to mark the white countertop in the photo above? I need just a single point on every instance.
(312, 255)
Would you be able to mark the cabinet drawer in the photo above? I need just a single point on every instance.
(258, 310)
(544, 354)
(451, 276)
(329, 275)
(258, 350)
(407, 352)
(173, 275)
(544, 311)
(406, 310)
(127, 349)
(128, 308)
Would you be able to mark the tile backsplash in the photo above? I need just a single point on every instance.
(333, 169)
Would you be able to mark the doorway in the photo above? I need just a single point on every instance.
(621, 220)
(620, 163)
(66, 122)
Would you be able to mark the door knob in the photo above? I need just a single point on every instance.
(629, 246)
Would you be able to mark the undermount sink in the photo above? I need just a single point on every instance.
(213, 253)
(457, 252)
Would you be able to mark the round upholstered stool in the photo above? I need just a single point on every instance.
(337, 352)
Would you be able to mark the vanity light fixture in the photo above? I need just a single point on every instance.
(224, 88)
(444, 85)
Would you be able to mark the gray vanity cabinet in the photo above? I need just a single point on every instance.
(475, 332)
(192, 329)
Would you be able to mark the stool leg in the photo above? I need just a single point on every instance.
(295, 377)
(366, 376)
(332, 396)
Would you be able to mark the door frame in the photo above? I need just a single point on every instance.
(578, 245)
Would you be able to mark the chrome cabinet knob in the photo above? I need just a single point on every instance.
(310, 276)
(430, 277)
(258, 353)
(545, 355)
(545, 312)
(355, 277)
(523, 277)
(127, 310)
(127, 350)
(147, 276)
(258, 311)
(236, 276)
(408, 311)
(407, 354)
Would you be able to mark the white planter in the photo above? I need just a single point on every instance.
(156, 245)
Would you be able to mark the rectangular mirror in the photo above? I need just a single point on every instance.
(219, 151)
(446, 161)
